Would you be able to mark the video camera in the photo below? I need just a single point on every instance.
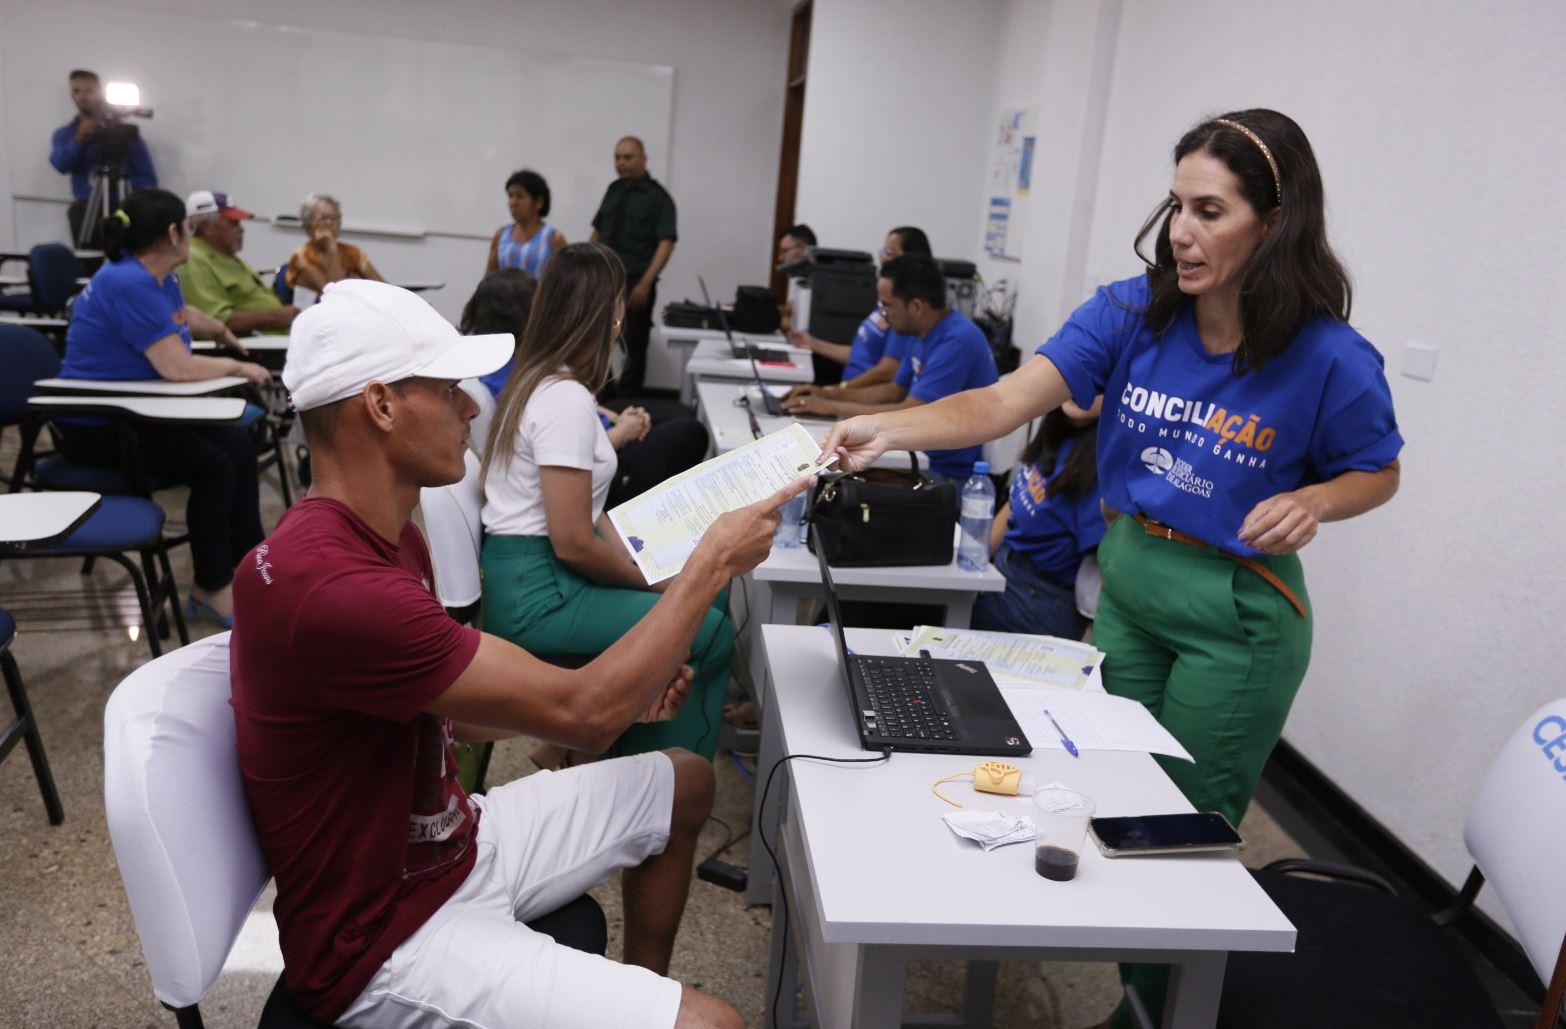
(114, 135)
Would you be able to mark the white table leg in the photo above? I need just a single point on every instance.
(1195, 988)
(878, 990)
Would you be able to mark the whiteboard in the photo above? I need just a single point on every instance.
(406, 133)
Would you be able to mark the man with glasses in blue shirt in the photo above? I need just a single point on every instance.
(949, 354)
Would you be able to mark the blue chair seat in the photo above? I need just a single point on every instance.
(253, 413)
(7, 628)
(57, 473)
(120, 523)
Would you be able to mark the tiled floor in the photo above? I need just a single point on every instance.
(70, 956)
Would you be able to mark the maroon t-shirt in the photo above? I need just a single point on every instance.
(338, 647)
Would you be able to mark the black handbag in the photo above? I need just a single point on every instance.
(879, 518)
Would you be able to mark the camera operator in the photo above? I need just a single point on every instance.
(80, 146)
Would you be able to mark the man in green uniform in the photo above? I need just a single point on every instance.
(636, 221)
(216, 280)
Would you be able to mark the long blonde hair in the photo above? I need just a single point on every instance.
(572, 325)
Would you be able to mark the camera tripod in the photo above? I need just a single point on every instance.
(108, 189)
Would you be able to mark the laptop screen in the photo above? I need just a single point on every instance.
(836, 617)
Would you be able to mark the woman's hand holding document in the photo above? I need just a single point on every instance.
(662, 526)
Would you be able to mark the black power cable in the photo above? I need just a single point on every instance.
(777, 869)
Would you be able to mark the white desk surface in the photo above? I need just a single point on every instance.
(254, 344)
(13, 280)
(799, 565)
(713, 360)
(142, 387)
(216, 410)
(30, 519)
(32, 321)
(676, 337)
(730, 428)
(885, 869)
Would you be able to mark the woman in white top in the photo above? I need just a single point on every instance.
(557, 580)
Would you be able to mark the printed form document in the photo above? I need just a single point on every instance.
(662, 526)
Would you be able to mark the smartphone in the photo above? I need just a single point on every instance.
(1165, 834)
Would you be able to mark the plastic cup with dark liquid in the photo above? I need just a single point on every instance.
(1061, 819)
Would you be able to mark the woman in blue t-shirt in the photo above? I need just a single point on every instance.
(527, 241)
(1241, 411)
(1050, 522)
(132, 322)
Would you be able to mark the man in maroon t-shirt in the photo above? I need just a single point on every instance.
(400, 899)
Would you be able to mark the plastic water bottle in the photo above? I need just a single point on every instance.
(978, 511)
(793, 514)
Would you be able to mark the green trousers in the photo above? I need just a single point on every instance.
(1216, 654)
(546, 608)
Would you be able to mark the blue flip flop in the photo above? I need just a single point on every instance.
(201, 609)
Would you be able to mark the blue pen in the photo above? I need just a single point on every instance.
(1071, 748)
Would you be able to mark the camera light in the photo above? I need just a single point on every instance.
(122, 94)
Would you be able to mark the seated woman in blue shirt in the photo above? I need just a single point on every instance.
(132, 322)
(1050, 522)
(527, 241)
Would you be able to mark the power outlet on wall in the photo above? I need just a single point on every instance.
(1419, 361)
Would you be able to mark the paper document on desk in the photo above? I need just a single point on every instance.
(1094, 721)
(1012, 657)
(662, 526)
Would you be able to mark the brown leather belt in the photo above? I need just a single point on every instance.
(1269, 576)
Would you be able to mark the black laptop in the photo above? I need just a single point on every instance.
(923, 705)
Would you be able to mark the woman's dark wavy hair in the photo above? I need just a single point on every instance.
(913, 240)
(501, 303)
(1079, 476)
(150, 212)
(1293, 276)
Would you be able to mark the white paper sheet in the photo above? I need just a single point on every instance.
(1012, 657)
(662, 526)
(1094, 721)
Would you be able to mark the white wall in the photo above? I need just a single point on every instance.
(729, 61)
(895, 121)
(1437, 129)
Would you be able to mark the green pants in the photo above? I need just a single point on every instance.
(1216, 654)
(541, 605)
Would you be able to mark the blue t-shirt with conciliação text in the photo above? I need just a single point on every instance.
(874, 341)
(952, 357)
(1052, 532)
(122, 311)
(1185, 442)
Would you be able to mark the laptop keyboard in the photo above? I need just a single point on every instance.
(902, 697)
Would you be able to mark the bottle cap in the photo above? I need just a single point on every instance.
(981, 468)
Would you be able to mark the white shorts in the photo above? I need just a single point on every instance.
(542, 841)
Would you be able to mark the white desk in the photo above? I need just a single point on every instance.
(254, 344)
(728, 423)
(874, 878)
(712, 359)
(32, 321)
(141, 387)
(13, 280)
(420, 286)
(682, 343)
(30, 520)
(207, 410)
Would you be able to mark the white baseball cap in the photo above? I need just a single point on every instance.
(363, 331)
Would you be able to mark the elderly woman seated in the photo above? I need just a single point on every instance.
(323, 258)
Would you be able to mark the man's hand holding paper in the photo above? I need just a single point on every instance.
(736, 496)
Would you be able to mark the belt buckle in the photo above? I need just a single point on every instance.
(1168, 532)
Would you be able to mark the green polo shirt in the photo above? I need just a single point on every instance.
(633, 218)
(220, 285)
